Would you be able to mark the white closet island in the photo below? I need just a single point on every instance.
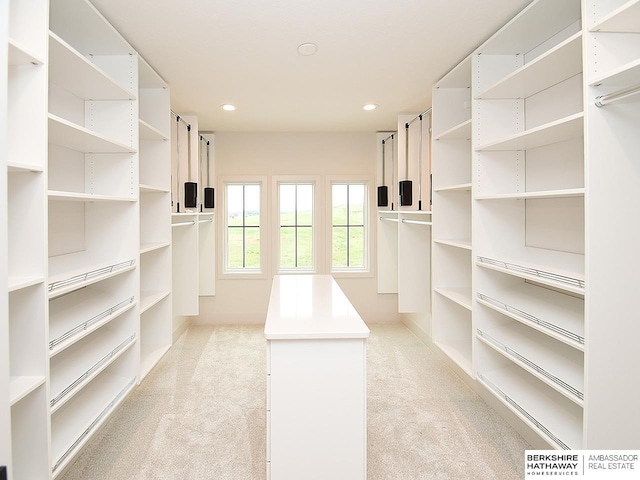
(316, 381)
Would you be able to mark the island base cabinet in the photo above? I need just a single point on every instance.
(316, 409)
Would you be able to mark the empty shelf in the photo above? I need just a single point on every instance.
(555, 314)
(20, 387)
(148, 299)
(550, 413)
(464, 243)
(557, 269)
(149, 132)
(459, 351)
(72, 280)
(569, 192)
(547, 134)
(75, 137)
(556, 364)
(461, 131)
(459, 295)
(625, 19)
(21, 55)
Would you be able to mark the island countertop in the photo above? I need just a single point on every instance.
(311, 307)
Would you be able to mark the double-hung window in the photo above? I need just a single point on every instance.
(243, 239)
(296, 226)
(349, 229)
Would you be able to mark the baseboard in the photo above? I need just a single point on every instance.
(229, 319)
(180, 329)
(417, 330)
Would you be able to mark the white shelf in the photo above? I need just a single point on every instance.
(21, 55)
(547, 267)
(20, 387)
(463, 187)
(459, 295)
(547, 134)
(557, 365)
(71, 280)
(86, 197)
(17, 167)
(152, 189)
(538, 22)
(150, 247)
(555, 314)
(149, 299)
(18, 283)
(151, 358)
(72, 373)
(459, 351)
(625, 19)
(625, 76)
(73, 425)
(71, 318)
(559, 63)
(71, 70)
(148, 132)
(570, 192)
(67, 134)
(545, 410)
(461, 131)
(464, 243)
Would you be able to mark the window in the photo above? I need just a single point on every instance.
(348, 226)
(296, 232)
(243, 226)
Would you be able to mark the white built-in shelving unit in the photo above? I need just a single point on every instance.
(93, 281)
(529, 219)
(534, 255)
(452, 329)
(25, 223)
(612, 65)
(5, 409)
(154, 125)
(86, 242)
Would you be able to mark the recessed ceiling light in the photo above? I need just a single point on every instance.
(228, 107)
(370, 106)
(307, 49)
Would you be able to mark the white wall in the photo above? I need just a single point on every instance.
(268, 154)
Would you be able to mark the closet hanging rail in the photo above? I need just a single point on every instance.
(416, 222)
(183, 224)
(604, 100)
(388, 219)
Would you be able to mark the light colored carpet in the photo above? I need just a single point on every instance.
(200, 414)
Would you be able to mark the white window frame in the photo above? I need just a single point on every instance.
(241, 273)
(350, 272)
(316, 181)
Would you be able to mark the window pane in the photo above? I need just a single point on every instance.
(252, 247)
(234, 204)
(356, 204)
(356, 246)
(339, 214)
(234, 247)
(305, 204)
(339, 246)
(287, 204)
(287, 247)
(252, 205)
(305, 247)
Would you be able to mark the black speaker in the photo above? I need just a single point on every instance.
(383, 196)
(3, 472)
(209, 198)
(406, 193)
(190, 194)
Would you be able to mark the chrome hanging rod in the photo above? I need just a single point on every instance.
(603, 100)
(180, 119)
(419, 116)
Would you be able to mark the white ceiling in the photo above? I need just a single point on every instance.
(244, 52)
